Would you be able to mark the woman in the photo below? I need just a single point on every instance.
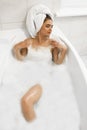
(42, 39)
(20, 50)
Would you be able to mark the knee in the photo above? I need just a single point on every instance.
(37, 92)
(28, 101)
(32, 95)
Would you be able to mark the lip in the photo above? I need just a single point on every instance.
(49, 32)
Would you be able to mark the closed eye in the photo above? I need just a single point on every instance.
(48, 26)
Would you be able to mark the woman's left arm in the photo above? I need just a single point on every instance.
(62, 53)
(62, 49)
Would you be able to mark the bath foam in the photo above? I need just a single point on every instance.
(56, 109)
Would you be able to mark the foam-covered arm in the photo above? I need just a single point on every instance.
(58, 54)
(20, 50)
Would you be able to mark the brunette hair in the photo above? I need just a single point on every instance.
(47, 17)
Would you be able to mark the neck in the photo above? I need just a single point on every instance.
(41, 39)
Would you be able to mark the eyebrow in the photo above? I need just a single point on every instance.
(49, 25)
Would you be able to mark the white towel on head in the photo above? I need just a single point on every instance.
(35, 18)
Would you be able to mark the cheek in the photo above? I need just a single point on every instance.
(44, 31)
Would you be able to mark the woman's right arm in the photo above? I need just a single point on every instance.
(18, 48)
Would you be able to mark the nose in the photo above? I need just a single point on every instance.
(50, 29)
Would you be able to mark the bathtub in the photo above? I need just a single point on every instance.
(63, 103)
(78, 73)
(69, 95)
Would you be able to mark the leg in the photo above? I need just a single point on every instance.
(28, 101)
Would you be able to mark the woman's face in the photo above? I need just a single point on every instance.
(46, 28)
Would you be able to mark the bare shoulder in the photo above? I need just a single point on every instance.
(28, 41)
(24, 43)
(54, 42)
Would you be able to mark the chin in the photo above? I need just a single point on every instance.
(48, 35)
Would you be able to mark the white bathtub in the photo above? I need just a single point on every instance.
(63, 104)
(68, 97)
(78, 73)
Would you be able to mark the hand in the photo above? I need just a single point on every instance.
(54, 43)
